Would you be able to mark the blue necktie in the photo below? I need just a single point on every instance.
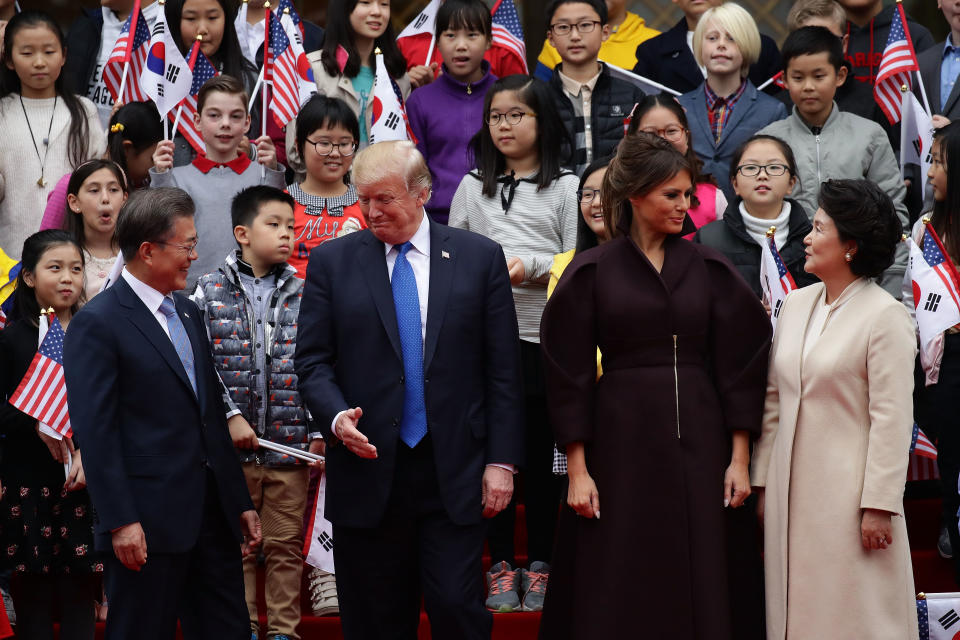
(180, 339)
(413, 425)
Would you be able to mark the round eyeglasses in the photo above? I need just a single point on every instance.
(564, 29)
(325, 147)
(753, 170)
(513, 118)
(672, 133)
(587, 196)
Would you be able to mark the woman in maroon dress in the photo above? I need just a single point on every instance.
(662, 439)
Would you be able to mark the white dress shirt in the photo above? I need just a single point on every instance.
(149, 296)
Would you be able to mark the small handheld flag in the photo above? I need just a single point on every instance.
(389, 118)
(899, 59)
(166, 76)
(121, 73)
(42, 394)
(202, 70)
(920, 444)
(293, 81)
(425, 22)
(507, 32)
(775, 279)
(916, 134)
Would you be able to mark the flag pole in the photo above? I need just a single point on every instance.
(256, 88)
(913, 52)
(266, 80)
(433, 44)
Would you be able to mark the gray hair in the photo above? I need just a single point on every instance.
(395, 157)
(149, 216)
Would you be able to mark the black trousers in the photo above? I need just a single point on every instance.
(35, 597)
(202, 587)
(936, 411)
(416, 550)
(538, 486)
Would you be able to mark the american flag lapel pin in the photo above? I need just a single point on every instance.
(445, 255)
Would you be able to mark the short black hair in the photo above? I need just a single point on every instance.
(246, 205)
(864, 213)
(324, 112)
(149, 216)
(597, 5)
(464, 14)
(809, 41)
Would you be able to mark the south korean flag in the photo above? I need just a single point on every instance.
(166, 76)
(389, 117)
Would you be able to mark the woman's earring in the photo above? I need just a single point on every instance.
(848, 256)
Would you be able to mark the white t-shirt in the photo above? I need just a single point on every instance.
(96, 89)
(255, 37)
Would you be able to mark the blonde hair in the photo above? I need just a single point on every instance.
(395, 157)
(803, 10)
(737, 22)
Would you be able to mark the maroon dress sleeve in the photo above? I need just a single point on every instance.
(568, 340)
(739, 345)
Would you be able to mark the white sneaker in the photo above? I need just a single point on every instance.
(323, 593)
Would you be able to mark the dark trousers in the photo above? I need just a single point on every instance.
(416, 549)
(936, 411)
(35, 597)
(202, 587)
(539, 486)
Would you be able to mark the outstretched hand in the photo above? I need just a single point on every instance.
(350, 435)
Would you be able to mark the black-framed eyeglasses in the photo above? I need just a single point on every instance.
(563, 28)
(753, 170)
(673, 133)
(587, 196)
(187, 248)
(325, 147)
(513, 117)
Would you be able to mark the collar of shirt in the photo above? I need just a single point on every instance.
(420, 239)
(150, 297)
(205, 164)
(713, 100)
(246, 269)
(949, 47)
(574, 87)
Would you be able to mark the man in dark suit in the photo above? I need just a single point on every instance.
(170, 500)
(409, 360)
(668, 57)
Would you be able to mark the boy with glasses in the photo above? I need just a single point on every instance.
(592, 103)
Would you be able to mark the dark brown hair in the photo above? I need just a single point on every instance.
(223, 84)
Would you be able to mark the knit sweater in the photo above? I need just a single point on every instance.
(212, 195)
(444, 115)
(537, 226)
(22, 200)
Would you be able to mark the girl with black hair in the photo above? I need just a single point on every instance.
(46, 527)
(327, 134)
(135, 130)
(345, 67)
(521, 198)
(47, 131)
(213, 21)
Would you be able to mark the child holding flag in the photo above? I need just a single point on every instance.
(46, 528)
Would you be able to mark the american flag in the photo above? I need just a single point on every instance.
(934, 255)
(202, 70)
(3, 319)
(920, 444)
(42, 393)
(128, 53)
(282, 6)
(507, 31)
(775, 279)
(292, 73)
(898, 60)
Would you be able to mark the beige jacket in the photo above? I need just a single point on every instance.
(338, 86)
(836, 434)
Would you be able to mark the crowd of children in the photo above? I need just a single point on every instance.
(518, 158)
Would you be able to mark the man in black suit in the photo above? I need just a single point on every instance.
(668, 57)
(409, 360)
(939, 67)
(170, 501)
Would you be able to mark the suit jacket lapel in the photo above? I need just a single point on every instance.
(931, 82)
(373, 265)
(442, 264)
(145, 322)
(702, 119)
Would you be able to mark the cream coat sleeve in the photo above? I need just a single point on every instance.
(760, 463)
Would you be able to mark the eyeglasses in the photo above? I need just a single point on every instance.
(587, 196)
(513, 118)
(325, 147)
(753, 170)
(672, 133)
(563, 29)
(188, 248)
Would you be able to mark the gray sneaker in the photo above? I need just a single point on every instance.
(533, 585)
(503, 588)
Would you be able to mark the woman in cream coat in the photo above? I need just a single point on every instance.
(837, 428)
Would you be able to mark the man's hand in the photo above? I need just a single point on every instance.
(252, 533)
(496, 491)
(939, 121)
(517, 272)
(242, 434)
(351, 437)
(421, 75)
(130, 546)
(163, 156)
(266, 152)
(318, 447)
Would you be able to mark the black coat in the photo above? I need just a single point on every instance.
(611, 102)
(668, 60)
(83, 45)
(729, 236)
